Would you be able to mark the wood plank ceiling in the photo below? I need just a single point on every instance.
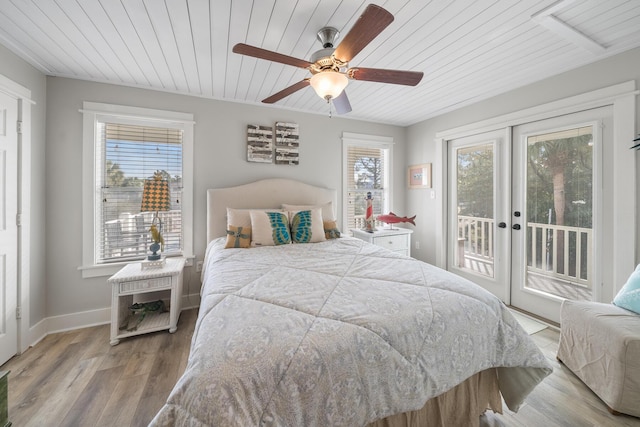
(468, 50)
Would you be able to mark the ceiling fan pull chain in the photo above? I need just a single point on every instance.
(329, 102)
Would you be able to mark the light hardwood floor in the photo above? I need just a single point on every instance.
(77, 379)
(561, 400)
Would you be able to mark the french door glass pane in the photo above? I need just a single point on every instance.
(560, 212)
(475, 206)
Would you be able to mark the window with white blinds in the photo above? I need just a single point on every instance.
(122, 147)
(127, 156)
(367, 169)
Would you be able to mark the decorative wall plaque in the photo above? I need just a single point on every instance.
(287, 143)
(259, 144)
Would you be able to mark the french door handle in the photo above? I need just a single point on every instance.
(502, 225)
(516, 226)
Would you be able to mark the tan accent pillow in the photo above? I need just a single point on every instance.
(331, 230)
(238, 237)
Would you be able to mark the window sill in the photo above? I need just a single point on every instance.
(103, 270)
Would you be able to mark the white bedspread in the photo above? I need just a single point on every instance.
(339, 333)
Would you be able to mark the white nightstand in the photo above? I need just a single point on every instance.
(133, 284)
(397, 239)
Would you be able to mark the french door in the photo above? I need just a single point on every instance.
(525, 210)
(557, 188)
(478, 239)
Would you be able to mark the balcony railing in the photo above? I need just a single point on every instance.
(128, 236)
(562, 252)
(476, 236)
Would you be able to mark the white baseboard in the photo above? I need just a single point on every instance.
(36, 333)
(190, 301)
(83, 319)
(86, 319)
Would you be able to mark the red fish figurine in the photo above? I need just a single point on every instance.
(392, 218)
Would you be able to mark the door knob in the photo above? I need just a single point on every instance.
(502, 225)
(516, 226)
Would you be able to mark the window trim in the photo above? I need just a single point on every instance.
(371, 141)
(91, 111)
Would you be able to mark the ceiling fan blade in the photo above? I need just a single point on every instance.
(256, 52)
(286, 92)
(342, 104)
(399, 77)
(367, 27)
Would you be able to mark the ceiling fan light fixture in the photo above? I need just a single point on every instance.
(329, 84)
(329, 66)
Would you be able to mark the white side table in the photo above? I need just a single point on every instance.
(396, 240)
(133, 284)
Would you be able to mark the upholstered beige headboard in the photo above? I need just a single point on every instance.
(266, 193)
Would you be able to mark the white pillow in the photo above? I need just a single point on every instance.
(269, 228)
(242, 217)
(238, 217)
(327, 209)
(306, 226)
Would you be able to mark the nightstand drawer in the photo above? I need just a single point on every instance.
(397, 240)
(145, 284)
(393, 243)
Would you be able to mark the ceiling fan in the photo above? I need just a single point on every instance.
(330, 66)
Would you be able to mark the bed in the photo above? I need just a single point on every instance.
(340, 332)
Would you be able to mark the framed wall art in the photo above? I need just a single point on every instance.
(287, 143)
(259, 144)
(419, 176)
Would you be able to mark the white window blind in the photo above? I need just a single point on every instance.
(367, 169)
(127, 155)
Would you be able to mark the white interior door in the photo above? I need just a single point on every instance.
(8, 226)
(556, 210)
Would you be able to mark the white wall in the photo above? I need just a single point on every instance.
(420, 137)
(18, 70)
(220, 160)
(57, 288)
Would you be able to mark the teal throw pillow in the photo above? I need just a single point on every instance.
(307, 226)
(269, 228)
(629, 295)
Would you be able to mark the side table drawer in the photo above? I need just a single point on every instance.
(145, 284)
(394, 243)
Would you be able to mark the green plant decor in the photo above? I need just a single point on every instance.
(4, 399)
